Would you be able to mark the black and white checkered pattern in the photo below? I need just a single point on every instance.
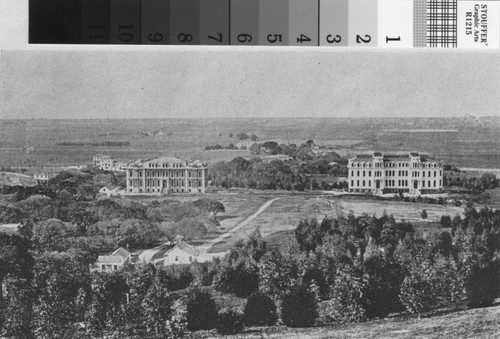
(442, 23)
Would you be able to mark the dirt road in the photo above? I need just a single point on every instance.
(206, 247)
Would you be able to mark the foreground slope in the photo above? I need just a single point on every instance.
(474, 323)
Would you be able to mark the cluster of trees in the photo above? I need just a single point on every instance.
(301, 152)
(219, 147)
(351, 269)
(257, 174)
(244, 136)
(472, 183)
(342, 270)
(69, 198)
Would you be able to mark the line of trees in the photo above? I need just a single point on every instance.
(475, 184)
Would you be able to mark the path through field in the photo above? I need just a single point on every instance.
(206, 247)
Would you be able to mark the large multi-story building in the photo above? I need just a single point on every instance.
(166, 175)
(412, 172)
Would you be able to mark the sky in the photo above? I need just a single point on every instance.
(67, 81)
(248, 82)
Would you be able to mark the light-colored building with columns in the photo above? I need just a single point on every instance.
(165, 175)
(407, 172)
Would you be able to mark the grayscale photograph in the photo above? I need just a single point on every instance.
(249, 193)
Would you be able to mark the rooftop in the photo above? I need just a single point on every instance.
(392, 156)
(165, 160)
(110, 259)
(187, 248)
(122, 253)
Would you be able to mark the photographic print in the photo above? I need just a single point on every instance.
(231, 189)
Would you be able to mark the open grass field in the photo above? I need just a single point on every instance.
(495, 198)
(474, 323)
(457, 141)
(279, 220)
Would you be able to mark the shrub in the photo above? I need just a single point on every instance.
(229, 322)
(423, 214)
(347, 304)
(445, 221)
(260, 310)
(299, 307)
(242, 279)
(415, 294)
(201, 310)
(481, 284)
(383, 279)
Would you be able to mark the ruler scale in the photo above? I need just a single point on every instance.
(329, 23)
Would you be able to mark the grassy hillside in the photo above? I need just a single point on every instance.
(475, 323)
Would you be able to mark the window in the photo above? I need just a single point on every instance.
(176, 258)
(357, 183)
(434, 183)
(423, 183)
(434, 173)
(363, 183)
(369, 183)
(364, 173)
(115, 267)
(358, 173)
(369, 173)
(352, 173)
(423, 174)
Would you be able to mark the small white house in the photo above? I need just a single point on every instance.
(9, 228)
(41, 178)
(113, 262)
(110, 190)
(245, 144)
(183, 253)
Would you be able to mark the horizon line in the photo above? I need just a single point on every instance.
(246, 118)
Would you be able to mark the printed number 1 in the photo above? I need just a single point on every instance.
(387, 39)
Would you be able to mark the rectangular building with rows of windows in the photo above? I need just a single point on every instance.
(413, 173)
(165, 175)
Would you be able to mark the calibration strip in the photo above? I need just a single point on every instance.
(352, 23)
